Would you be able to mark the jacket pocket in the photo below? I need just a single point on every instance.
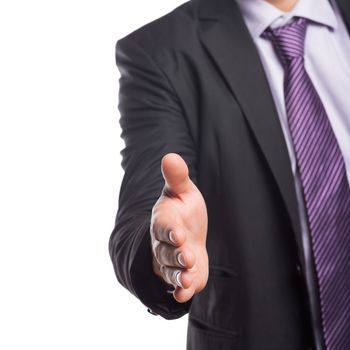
(200, 336)
(218, 307)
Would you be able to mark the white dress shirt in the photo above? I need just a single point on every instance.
(327, 61)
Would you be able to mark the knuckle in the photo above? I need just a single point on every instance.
(166, 274)
(174, 257)
(178, 258)
(177, 277)
(163, 273)
(173, 237)
(168, 255)
(166, 192)
(156, 249)
(154, 226)
(162, 253)
(167, 252)
(173, 276)
(161, 227)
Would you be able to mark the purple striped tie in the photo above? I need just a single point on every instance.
(325, 186)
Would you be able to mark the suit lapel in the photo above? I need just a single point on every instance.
(223, 33)
(344, 6)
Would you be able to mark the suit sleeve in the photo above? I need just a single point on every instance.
(153, 124)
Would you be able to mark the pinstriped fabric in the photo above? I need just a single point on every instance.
(325, 186)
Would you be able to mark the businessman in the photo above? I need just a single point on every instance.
(235, 201)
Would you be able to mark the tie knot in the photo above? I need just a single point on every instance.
(289, 39)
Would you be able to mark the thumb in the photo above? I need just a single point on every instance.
(176, 174)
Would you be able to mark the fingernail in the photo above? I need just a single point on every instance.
(180, 259)
(172, 237)
(178, 272)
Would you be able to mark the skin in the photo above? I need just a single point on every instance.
(284, 5)
(181, 209)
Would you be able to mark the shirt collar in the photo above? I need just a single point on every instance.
(259, 14)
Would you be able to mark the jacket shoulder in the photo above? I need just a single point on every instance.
(169, 30)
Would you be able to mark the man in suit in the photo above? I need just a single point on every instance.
(235, 202)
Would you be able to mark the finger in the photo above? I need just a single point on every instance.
(177, 277)
(176, 175)
(169, 256)
(165, 230)
(182, 295)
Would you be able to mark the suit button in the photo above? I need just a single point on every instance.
(298, 268)
(152, 312)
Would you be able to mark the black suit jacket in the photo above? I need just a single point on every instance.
(192, 83)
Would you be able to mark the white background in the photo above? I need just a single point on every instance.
(60, 176)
